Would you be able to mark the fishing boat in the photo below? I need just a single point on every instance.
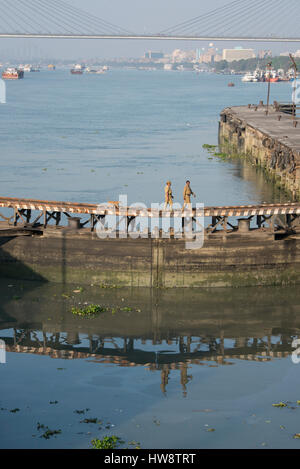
(231, 84)
(12, 74)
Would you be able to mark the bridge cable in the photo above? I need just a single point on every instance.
(253, 13)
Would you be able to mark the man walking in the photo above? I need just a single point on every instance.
(187, 192)
(168, 196)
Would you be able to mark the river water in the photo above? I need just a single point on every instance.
(165, 368)
(90, 138)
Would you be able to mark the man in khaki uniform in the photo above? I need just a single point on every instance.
(187, 192)
(168, 196)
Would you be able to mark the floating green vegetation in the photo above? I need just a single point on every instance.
(48, 433)
(83, 411)
(16, 298)
(280, 404)
(221, 155)
(105, 285)
(209, 147)
(53, 402)
(108, 442)
(297, 435)
(89, 311)
(13, 411)
(136, 444)
(91, 421)
(66, 295)
(210, 430)
(93, 310)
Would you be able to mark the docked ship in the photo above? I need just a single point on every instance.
(12, 74)
(250, 78)
(272, 76)
(77, 70)
(254, 77)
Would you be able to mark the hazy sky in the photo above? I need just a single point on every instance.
(136, 15)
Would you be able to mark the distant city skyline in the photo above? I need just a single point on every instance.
(141, 16)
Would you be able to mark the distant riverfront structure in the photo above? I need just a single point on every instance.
(238, 54)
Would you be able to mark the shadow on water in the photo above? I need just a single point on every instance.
(10, 267)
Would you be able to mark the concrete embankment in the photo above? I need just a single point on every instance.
(271, 141)
(226, 260)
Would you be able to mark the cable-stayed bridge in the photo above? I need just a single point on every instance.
(255, 20)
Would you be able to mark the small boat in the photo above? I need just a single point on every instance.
(25, 68)
(231, 84)
(77, 70)
(100, 71)
(249, 78)
(12, 74)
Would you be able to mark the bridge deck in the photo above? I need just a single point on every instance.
(291, 208)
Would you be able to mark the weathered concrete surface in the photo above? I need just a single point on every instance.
(270, 143)
(234, 260)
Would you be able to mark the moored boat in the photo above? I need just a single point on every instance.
(272, 76)
(249, 78)
(12, 74)
(77, 70)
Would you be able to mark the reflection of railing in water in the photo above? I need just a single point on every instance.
(59, 347)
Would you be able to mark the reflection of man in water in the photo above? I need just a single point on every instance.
(187, 192)
(168, 196)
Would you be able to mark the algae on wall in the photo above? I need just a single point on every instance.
(278, 161)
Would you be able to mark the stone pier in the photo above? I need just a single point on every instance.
(270, 140)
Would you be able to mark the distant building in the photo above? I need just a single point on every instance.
(179, 56)
(263, 54)
(206, 58)
(238, 54)
(218, 58)
(154, 55)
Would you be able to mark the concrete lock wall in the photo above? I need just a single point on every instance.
(231, 260)
(243, 132)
